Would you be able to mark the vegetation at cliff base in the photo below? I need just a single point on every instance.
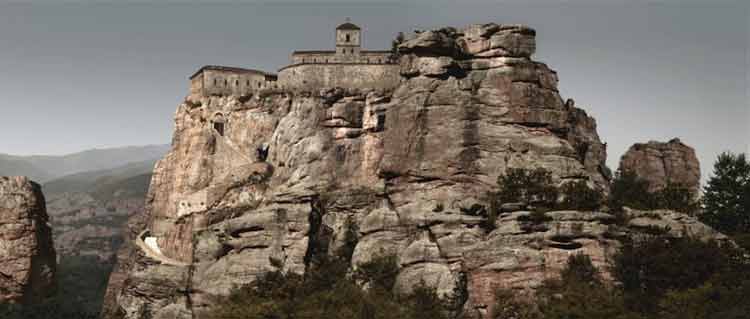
(331, 290)
(658, 277)
(81, 283)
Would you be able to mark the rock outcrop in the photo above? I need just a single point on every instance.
(265, 183)
(662, 163)
(27, 256)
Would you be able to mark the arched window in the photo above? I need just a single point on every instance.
(258, 84)
(236, 82)
(226, 82)
(347, 38)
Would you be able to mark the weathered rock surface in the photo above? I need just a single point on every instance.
(662, 163)
(27, 256)
(264, 184)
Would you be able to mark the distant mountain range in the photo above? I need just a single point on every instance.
(45, 168)
(89, 209)
(129, 180)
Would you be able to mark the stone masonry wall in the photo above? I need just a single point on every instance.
(313, 77)
(215, 82)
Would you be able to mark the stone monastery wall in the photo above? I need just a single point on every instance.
(356, 56)
(347, 67)
(312, 77)
(229, 81)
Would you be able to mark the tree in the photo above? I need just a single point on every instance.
(655, 265)
(580, 293)
(327, 290)
(520, 185)
(400, 38)
(631, 191)
(578, 196)
(726, 198)
(676, 197)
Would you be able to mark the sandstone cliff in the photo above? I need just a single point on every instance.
(27, 257)
(662, 163)
(264, 183)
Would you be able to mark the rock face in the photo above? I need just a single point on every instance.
(266, 183)
(27, 256)
(662, 163)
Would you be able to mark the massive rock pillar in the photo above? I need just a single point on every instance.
(27, 256)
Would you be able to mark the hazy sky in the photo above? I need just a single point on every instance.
(79, 75)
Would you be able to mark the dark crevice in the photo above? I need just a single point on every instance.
(319, 235)
(238, 233)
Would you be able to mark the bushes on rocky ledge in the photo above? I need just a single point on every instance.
(659, 277)
(329, 290)
(631, 191)
(536, 188)
(579, 196)
(519, 185)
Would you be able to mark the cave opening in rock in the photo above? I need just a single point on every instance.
(219, 127)
(381, 123)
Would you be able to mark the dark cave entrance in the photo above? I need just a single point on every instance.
(219, 127)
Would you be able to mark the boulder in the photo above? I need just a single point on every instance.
(662, 163)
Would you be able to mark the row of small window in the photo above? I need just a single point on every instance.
(326, 61)
(236, 82)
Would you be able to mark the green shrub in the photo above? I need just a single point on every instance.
(629, 190)
(650, 268)
(51, 309)
(580, 269)
(509, 305)
(578, 196)
(424, 302)
(535, 217)
(490, 214)
(526, 186)
(379, 273)
(328, 292)
(660, 277)
(677, 198)
(580, 293)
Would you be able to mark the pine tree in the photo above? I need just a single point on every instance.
(727, 196)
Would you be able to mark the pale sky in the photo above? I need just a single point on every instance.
(80, 75)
